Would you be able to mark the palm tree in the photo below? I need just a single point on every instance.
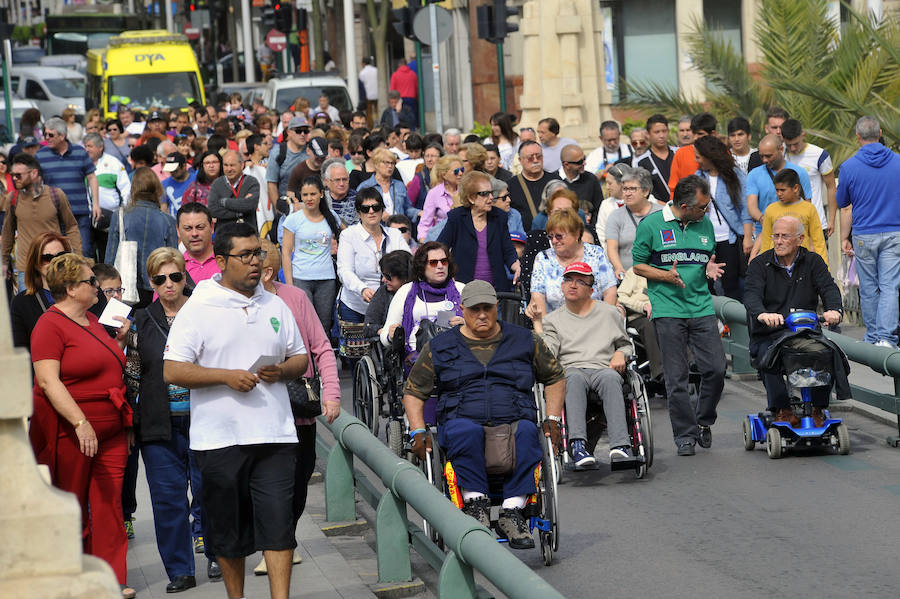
(824, 75)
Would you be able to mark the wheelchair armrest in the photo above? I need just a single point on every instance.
(398, 342)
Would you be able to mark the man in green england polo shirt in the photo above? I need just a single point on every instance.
(673, 250)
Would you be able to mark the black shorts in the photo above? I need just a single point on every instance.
(248, 494)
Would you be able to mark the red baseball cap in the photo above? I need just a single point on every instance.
(581, 268)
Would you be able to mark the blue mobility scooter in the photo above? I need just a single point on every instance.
(805, 370)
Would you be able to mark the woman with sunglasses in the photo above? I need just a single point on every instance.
(478, 235)
(448, 170)
(116, 144)
(81, 426)
(28, 305)
(163, 422)
(144, 223)
(432, 294)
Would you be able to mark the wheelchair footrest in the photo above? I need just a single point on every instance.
(571, 467)
(626, 464)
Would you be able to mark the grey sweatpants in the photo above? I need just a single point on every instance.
(607, 383)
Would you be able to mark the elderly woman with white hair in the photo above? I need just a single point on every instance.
(621, 225)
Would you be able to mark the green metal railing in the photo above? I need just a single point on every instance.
(470, 545)
(883, 360)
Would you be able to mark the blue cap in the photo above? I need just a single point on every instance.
(518, 236)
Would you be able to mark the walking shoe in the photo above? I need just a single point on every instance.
(181, 583)
(620, 454)
(199, 545)
(513, 527)
(704, 437)
(818, 417)
(213, 571)
(787, 415)
(686, 448)
(885, 343)
(480, 509)
(129, 528)
(261, 569)
(580, 455)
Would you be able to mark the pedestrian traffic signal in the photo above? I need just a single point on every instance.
(485, 18)
(284, 18)
(268, 16)
(500, 27)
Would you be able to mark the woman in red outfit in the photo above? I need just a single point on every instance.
(81, 426)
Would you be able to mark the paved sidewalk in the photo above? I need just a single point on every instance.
(323, 574)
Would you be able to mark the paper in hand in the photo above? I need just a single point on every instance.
(114, 308)
(265, 361)
(443, 318)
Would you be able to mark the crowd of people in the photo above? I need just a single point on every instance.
(245, 239)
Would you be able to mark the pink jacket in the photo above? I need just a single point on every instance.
(437, 204)
(316, 341)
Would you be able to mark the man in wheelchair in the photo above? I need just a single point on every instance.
(483, 373)
(589, 339)
(785, 278)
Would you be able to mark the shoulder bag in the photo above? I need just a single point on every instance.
(305, 394)
(126, 263)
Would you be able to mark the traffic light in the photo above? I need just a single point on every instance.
(284, 18)
(403, 20)
(500, 27)
(268, 16)
(485, 18)
(190, 6)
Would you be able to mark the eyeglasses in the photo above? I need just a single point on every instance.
(112, 129)
(638, 144)
(782, 236)
(484, 194)
(441, 261)
(389, 162)
(575, 162)
(246, 257)
(45, 258)
(50, 135)
(113, 291)
(570, 280)
(533, 157)
(556, 236)
(366, 208)
(92, 281)
(631, 189)
(175, 277)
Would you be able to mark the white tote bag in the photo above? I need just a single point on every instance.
(126, 263)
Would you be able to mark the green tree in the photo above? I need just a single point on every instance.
(824, 75)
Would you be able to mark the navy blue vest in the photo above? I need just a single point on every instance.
(498, 393)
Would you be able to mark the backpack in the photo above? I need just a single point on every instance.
(282, 153)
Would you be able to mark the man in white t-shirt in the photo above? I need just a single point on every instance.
(611, 150)
(234, 345)
(817, 164)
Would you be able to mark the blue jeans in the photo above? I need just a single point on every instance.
(87, 235)
(170, 468)
(878, 266)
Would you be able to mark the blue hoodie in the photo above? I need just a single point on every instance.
(870, 181)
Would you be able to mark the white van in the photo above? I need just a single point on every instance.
(19, 106)
(52, 89)
(281, 93)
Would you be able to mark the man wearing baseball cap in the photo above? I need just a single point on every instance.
(286, 155)
(589, 339)
(674, 250)
(179, 179)
(483, 372)
(316, 152)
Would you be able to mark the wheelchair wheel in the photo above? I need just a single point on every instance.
(773, 443)
(843, 439)
(549, 493)
(395, 437)
(434, 472)
(366, 394)
(749, 443)
(643, 415)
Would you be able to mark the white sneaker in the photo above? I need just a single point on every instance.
(262, 570)
(885, 343)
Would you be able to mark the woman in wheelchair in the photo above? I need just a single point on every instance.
(431, 295)
(483, 373)
(396, 271)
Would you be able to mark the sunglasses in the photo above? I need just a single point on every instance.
(301, 130)
(3, 162)
(402, 229)
(18, 175)
(459, 171)
(356, 152)
(365, 208)
(484, 194)
(45, 258)
(441, 261)
(575, 162)
(92, 281)
(556, 236)
(175, 277)
(503, 198)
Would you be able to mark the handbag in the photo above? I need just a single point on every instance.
(126, 263)
(427, 331)
(304, 393)
(500, 448)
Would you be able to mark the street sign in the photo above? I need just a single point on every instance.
(276, 41)
(422, 25)
(191, 32)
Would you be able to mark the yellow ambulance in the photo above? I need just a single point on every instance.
(143, 70)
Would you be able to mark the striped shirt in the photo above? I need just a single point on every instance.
(68, 171)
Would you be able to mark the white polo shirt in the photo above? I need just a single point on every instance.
(220, 328)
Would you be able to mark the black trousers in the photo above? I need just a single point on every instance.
(731, 254)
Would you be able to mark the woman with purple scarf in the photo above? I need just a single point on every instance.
(432, 295)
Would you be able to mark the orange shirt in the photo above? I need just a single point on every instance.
(683, 164)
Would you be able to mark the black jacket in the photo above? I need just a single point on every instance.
(519, 200)
(459, 235)
(25, 310)
(587, 188)
(767, 288)
(153, 421)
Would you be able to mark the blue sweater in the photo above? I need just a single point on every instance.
(870, 181)
(398, 194)
(735, 218)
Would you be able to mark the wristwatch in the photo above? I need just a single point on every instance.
(556, 419)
